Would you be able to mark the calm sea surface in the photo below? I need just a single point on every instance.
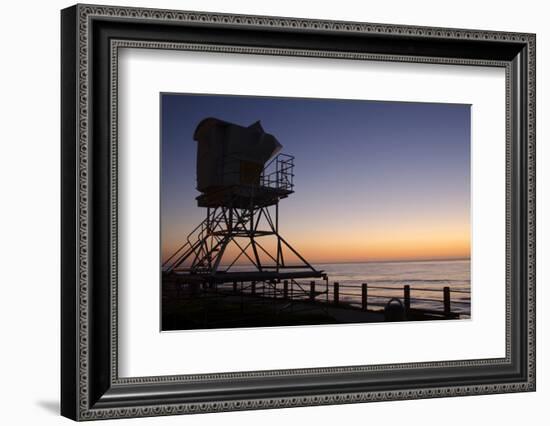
(426, 279)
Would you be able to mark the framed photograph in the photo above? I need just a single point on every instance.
(263, 212)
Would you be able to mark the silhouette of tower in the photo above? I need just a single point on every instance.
(241, 177)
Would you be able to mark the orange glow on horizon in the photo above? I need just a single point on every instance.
(379, 245)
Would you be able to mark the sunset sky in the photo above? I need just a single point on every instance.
(373, 180)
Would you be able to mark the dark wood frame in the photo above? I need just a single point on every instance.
(90, 386)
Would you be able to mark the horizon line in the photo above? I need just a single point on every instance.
(446, 259)
(450, 259)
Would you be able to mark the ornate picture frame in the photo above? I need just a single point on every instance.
(91, 37)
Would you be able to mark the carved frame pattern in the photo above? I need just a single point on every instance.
(85, 14)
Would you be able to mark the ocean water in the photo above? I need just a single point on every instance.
(425, 278)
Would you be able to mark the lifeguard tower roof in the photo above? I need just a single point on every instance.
(229, 154)
(231, 165)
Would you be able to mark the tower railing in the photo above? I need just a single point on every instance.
(279, 173)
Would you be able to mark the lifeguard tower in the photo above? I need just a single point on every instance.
(241, 177)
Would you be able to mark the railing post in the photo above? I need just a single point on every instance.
(327, 295)
(253, 288)
(407, 296)
(336, 293)
(447, 301)
(364, 296)
(285, 289)
(312, 291)
(277, 171)
(242, 297)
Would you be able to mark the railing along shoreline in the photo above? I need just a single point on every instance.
(338, 294)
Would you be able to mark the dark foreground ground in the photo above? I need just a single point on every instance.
(209, 311)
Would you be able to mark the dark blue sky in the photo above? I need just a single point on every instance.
(366, 172)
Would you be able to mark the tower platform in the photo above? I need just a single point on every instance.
(243, 196)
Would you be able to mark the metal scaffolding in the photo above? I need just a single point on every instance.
(241, 216)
